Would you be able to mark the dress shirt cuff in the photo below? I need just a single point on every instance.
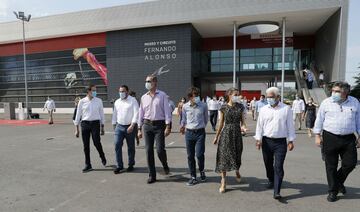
(316, 131)
(257, 137)
(113, 123)
(291, 139)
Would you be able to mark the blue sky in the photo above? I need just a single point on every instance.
(42, 8)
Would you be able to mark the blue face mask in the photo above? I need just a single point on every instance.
(122, 95)
(93, 93)
(336, 96)
(271, 101)
(197, 100)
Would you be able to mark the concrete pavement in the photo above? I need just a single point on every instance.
(40, 170)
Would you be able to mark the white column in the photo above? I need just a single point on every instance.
(234, 55)
(283, 59)
(25, 73)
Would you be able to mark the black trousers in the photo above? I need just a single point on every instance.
(274, 152)
(213, 118)
(335, 145)
(91, 128)
(155, 133)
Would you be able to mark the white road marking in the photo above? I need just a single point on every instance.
(171, 143)
(68, 200)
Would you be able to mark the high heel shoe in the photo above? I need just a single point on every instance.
(222, 187)
(238, 177)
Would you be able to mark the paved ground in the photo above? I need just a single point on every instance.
(40, 170)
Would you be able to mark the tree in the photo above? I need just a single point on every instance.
(355, 92)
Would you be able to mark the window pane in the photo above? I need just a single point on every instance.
(215, 53)
(247, 52)
(263, 51)
(259, 59)
(215, 61)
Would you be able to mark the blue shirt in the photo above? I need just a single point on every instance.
(194, 117)
(339, 119)
(259, 104)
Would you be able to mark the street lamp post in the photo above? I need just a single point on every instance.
(21, 16)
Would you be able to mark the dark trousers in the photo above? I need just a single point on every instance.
(120, 135)
(155, 133)
(335, 145)
(274, 152)
(91, 128)
(213, 118)
(195, 145)
(309, 84)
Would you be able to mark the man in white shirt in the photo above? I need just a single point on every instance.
(259, 104)
(338, 120)
(274, 128)
(90, 111)
(213, 107)
(253, 108)
(124, 119)
(50, 107)
(298, 108)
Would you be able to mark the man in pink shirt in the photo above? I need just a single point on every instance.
(154, 119)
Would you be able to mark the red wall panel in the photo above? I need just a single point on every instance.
(55, 44)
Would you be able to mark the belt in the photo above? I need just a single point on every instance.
(86, 121)
(156, 122)
(274, 139)
(196, 130)
(347, 135)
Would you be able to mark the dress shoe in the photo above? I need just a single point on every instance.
(103, 161)
(151, 180)
(202, 177)
(342, 189)
(192, 182)
(130, 169)
(277, 196)
(118, 170)
(332, 197)
(87, 169)
(166, 170)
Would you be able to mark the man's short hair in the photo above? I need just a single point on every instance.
(89, 87)
(126, 87)
(153, 77)
(343, 85)
(273, 90)
(192, 91)
(262, 95)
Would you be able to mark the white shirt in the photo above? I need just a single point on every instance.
(298, 106)
(213, 105)
(49, 104)
(90, 110)
(253, 104)
(126, 111)
(321, 76)
(339, 119)
(275, 123)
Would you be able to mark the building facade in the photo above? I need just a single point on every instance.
(184, 42)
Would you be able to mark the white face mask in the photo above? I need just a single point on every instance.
(122, 95)
(197, 99)
(235, 99)
(148, 85)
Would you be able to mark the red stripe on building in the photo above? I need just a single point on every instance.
(55, 44)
